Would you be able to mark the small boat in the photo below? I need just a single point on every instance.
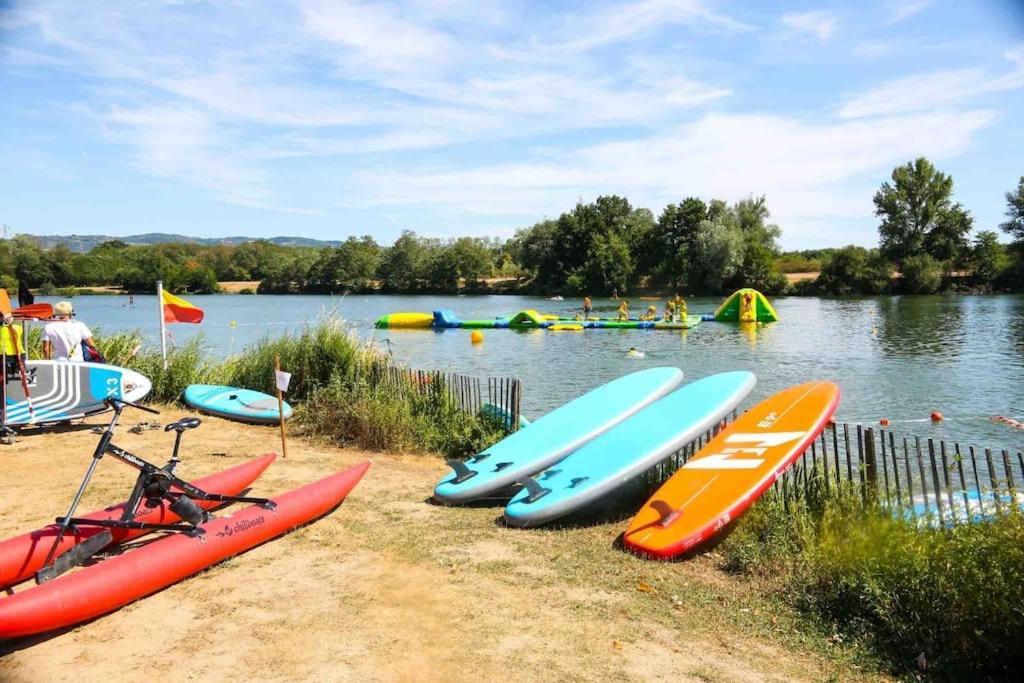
(22, 555)
(113, 583)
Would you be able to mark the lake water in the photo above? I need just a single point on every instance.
(894, 357)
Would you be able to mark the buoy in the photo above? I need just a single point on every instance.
(476, 336)
(884, 422)
(936, 416)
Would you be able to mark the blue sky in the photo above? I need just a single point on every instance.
(451, 117)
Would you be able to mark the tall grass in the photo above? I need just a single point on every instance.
(951, 600)
(339, 385)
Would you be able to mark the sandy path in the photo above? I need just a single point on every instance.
(390, 587)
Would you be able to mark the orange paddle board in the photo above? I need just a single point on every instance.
(725, 477)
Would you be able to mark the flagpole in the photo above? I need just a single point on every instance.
(280, 404)
(163, 325)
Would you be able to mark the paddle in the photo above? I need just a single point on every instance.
(34, 311)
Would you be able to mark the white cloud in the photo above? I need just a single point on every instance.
(818, 23)
(901, 10)
(182, 144)
(928, 91)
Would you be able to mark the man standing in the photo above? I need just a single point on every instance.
(63, 338)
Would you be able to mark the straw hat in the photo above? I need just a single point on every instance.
(63, 308)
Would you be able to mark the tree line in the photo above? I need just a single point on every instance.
(598, 248)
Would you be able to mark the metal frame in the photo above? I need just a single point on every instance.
(153, 484)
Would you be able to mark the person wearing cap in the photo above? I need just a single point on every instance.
(64, 337)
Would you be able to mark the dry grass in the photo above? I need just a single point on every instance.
(391, 587)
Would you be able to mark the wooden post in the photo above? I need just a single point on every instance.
(936, 484)
(885, 466)
(280, 406)
(977, 480)
(994, 480)
(870, 466)
(963, 482)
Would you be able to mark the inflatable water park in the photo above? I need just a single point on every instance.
(743, 306)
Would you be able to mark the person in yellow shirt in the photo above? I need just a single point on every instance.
(623, 311)
(651, 314)
(670, 311)
(11, 344)
(680, 305)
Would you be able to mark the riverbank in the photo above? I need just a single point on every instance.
(391, 587)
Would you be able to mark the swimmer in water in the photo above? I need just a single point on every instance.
(633, 353)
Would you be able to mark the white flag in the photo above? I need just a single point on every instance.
(282, 378)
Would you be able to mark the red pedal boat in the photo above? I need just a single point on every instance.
(21, 556)
(101, 588)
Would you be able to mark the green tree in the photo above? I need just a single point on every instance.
(988, 258)
(473, 259)
(1014, 225)
(403, 265)
(674, 237)
(919, 216)
(717, 252)
(920, 274)
(854, 270)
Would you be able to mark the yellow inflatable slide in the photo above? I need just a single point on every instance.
(746, 306)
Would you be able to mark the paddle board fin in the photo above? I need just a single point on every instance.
(668, 514)
(462, 473)
(534, 488)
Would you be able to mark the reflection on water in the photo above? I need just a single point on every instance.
(922, 326)
(894, 357)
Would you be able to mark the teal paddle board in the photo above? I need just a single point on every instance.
(244, 405)
(630, 448)
(555, 435)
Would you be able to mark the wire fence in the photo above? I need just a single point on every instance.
(500, 397)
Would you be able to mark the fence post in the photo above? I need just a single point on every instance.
(870, 466)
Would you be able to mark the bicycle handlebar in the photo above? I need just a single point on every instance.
(113, 403)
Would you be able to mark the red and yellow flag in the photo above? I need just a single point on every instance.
(177, 310)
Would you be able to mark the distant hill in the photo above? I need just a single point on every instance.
(84, 243)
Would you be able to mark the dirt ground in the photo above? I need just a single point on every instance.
(391, 587)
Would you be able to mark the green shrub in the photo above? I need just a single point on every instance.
(247, 290)
(951, 595)
(342, 387)
(920, 274)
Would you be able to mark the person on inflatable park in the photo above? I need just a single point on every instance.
(624, 311)
(680, 305)
(67, 339)
(669, 311)
(588, 308)
(11, 345)
(651, 314)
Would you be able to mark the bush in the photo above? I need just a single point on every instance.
(341, 386)
(854, 270)
(920, 274)
(247, 290)
(951, 595)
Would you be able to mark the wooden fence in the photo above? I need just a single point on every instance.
(468, 394)
(930, 480)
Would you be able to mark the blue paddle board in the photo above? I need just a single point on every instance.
(555, 435)
(244, 405)
(629, 449)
